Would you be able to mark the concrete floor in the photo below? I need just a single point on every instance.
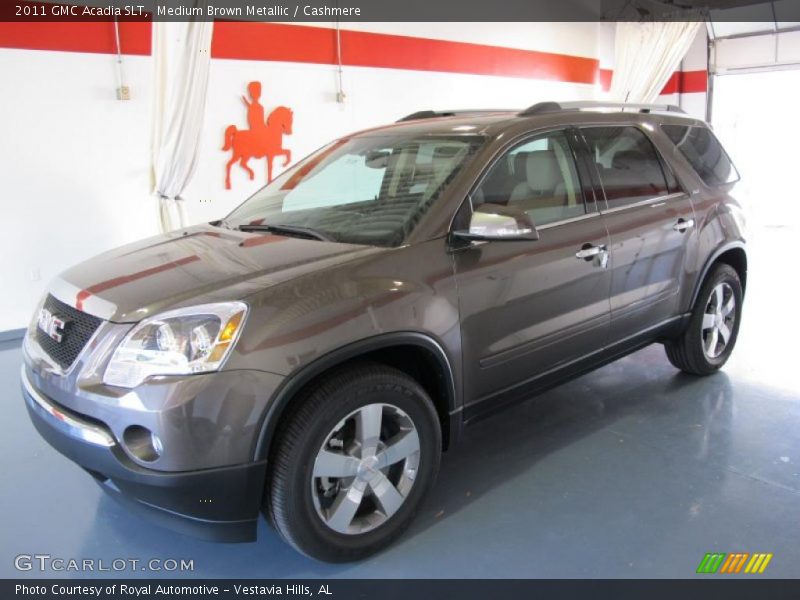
(631, 471)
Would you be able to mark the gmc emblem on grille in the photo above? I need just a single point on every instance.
(51, 325)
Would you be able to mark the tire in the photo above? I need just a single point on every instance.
(302, 503)
(697, 351)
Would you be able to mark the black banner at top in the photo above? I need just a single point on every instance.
(400, 10)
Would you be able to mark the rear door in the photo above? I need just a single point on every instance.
(651, 225)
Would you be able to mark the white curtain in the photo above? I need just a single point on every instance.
(182, 55)
(645, 57)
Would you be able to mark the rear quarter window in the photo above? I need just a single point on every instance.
(704, 152)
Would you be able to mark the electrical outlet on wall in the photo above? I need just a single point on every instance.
(123, 92)
(36, 275)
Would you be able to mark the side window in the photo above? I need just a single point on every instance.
(672, 181)
(538, 176)
(629, 166)
(704, 152)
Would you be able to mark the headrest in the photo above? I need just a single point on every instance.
(445, 152)
(520, 164)
(628, 159)
(542, 170)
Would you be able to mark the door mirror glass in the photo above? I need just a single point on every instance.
(498, 222)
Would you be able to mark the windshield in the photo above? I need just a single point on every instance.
(365, 190)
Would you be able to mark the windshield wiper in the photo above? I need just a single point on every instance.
(290, 230)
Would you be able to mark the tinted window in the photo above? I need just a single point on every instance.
(629, 166)
(537, 176)
(362, 190)
(672, 182)
(704, 153)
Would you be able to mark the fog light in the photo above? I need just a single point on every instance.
(142, 443)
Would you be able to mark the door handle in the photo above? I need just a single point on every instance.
(683, 224)
(588, 252)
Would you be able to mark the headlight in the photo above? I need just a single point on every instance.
(189, 340)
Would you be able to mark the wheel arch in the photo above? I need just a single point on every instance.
(732, 254)
(416, 354)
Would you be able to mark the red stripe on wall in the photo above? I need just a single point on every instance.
(681, 82)
(96, 37)
(270, 41)
(686, 82)
(604, 78)
(400, 52)
(296, 43)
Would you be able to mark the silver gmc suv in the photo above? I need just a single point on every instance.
(313, 353)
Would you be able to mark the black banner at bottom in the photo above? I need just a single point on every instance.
(704, 588)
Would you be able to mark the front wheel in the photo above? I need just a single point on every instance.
(352, 463)
(710, 336)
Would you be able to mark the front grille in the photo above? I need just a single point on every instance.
(78, 328)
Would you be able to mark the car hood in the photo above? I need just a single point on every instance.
(198, 265)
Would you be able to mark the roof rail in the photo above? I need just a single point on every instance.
(432, 114)
(542, 108)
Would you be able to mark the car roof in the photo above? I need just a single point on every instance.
(491, 123)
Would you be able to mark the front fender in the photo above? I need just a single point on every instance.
(294, 383)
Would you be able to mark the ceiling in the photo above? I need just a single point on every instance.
(725, 18)
(754, 18)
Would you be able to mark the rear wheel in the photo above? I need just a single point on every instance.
(353, 462)
(710, 336)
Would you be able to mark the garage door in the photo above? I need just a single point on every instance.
(754, 64)
(755, 116)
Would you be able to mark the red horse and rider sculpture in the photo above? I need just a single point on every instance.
(263, 138)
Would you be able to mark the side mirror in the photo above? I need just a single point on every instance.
(495, 222)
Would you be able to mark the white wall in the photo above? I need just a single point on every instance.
(74, 168)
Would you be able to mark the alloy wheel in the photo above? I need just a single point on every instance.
(365, 469)
(718, 320)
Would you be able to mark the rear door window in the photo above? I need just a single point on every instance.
(629, 166)
(704, 152)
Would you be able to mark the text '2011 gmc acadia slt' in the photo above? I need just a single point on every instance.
(313, 353)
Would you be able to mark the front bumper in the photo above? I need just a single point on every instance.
(219, 504)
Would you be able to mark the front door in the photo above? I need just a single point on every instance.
(528, 307)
